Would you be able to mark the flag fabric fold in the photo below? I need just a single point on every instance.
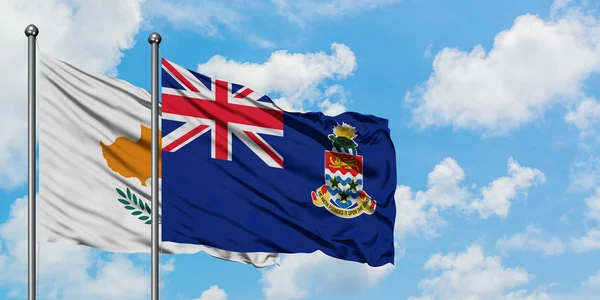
(94, 165)
(264, 179)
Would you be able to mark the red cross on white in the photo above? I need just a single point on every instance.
(221, 112)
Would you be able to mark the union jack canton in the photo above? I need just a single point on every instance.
(204, 104)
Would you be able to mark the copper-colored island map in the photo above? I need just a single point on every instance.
(132, 159)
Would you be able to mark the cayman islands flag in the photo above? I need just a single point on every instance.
(241, 174)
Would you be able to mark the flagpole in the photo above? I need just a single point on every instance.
(31, 33)
(154, 39)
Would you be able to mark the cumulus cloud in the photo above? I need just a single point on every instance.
(593, 282)
(593, 206)
(532, 239)
(334, 102)
(585, 116)
(297, 78)
(472, 275)
(213, 293)
(496, 196)
(300, 275)
(68, 271)
(419, 212)
(89, 34)
(534, 65)
(585, 174)
(589, 242)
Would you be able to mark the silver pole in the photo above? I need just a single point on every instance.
(31, 32)
(154, 40)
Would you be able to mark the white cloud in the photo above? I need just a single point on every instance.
(287, 105)
(593, 282)
(334, 103)
(419, 212)
(89, 34)
(532, 239)
(331, 108)
(559, 6)
(585, 116)
(472, 275)
(13, 254)
(202, 16)
(415, 214)
(593, 206)
(302, 11)
(208, 17)
(67, 271)
(168, 267)
(496, 196)
(532, 66)
(211, 18)
(585, 175)
(213, 293)
(300, 275)
(525, 295)
(297, 78)
(117, 278)
(589, 242)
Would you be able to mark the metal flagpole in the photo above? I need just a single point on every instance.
(31, 32)
(154, 40)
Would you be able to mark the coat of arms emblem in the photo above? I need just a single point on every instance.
(343, 194)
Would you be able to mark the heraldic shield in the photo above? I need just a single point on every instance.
(343, 194)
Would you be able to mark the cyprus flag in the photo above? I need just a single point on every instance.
(94, 165)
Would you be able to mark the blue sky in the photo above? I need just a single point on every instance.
(492, 107)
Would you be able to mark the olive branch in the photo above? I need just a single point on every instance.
(136, 205)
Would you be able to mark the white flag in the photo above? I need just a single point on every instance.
(94, 165)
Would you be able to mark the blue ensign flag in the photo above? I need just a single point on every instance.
(241, 174)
